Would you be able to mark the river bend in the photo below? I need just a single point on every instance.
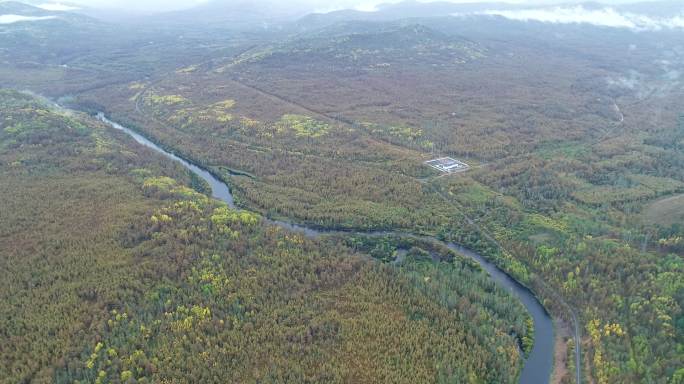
(538, 365)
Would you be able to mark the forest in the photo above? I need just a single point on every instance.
(574, 134)
(123, 273)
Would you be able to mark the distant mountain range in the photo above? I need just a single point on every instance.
(265, 15)
(585, 12)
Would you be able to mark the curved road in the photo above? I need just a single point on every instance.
(538, 366)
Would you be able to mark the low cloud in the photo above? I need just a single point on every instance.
(632, 81)
(605, 17)
(57, 7)
(10, 19)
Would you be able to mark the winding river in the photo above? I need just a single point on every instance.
(537, 367)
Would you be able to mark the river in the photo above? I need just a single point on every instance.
(538, 365)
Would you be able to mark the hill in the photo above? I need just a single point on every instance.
(360, 45)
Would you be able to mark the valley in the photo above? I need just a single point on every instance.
(316, 134)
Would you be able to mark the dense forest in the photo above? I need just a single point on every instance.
(575, 139)
(123, 273)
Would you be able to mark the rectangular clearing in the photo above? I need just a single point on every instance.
(447, 165)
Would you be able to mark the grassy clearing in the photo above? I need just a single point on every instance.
(635, 187)
(167, 99)
(303, 125)
(667, 211)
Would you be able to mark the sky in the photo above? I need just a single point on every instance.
(313, 5)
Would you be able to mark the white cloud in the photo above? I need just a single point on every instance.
(606, 17)
(9, 19)
(367, 7)
(57, 7)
